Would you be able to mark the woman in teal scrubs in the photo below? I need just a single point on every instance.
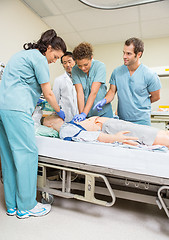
(25, 77)
(89, 77)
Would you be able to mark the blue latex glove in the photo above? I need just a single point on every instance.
(79, 117)
(40, 101)
(99, 105)
(115, 117)
(61, 114)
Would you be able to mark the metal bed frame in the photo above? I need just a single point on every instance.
(99, 185)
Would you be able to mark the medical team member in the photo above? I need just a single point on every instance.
(136, 86)
(25, 77)
(64, 89)
(89, 77)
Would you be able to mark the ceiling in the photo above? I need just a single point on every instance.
(76, 22)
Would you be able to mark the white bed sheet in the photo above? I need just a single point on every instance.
(104, 155)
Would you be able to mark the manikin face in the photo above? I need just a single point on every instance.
(68, 63)
(53, 121)
(129, 56)
(53, 55)
(84, 64)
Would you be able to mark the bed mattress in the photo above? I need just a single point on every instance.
(105, 155)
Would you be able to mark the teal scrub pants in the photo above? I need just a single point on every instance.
(19, 159)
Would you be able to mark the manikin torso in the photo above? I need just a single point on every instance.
(93, 123)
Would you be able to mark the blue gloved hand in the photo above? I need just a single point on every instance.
(115, 117)
(40, 101)
(79, 117)
(61, 114)
(99, 105)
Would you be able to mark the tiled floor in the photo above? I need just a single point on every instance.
(71, 220)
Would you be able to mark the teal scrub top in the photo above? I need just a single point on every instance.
(133, 92)
(20, 88)
(97, 73)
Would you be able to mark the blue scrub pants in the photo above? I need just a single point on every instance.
(19, 159)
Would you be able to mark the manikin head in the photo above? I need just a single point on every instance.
(52, 121)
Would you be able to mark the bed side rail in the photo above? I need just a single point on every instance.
(89, 190)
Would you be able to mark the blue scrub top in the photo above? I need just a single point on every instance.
(20, 88)
(97, 73)
(133, 92)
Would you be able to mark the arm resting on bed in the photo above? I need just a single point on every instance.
(118, 137)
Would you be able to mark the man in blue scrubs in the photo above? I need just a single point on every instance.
(136, 86)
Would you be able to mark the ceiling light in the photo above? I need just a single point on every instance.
(115, 4)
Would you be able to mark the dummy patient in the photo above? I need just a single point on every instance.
(107, 130)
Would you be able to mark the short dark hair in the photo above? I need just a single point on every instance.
(137, 43)
(70, 54)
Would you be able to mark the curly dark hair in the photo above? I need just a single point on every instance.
(47, 38)
(137, 43)
(83, 50)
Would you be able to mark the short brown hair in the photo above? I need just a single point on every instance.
(137, 43)
(83, 50)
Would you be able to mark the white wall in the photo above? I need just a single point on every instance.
(156, 54)
(20, 25)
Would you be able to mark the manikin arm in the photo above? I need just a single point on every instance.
(118, 137)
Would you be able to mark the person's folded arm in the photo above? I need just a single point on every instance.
(155, 96)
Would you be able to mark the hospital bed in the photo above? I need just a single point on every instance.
(100, 173)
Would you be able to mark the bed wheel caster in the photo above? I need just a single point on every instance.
(47, 198)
